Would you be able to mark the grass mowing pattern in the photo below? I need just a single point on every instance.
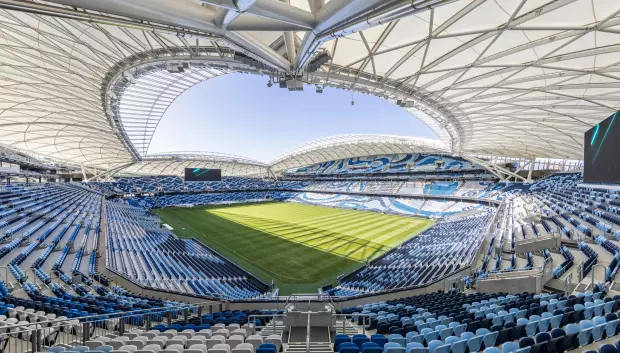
(301, 247)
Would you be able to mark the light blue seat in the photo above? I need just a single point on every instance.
(589, 310)
(474, 344)
(543, 324)
(498, 320)
(430, 336)
(442, 349)
(421, 325)
(445, 333)
(561, 304)
(433, 345)
(415, 338)
(530, 328)
(492, 350)
(402, 341)
(459, 346)
(571, 328)
(599, 328)
(451, 340)
(440, 327)
(490, 338)
(556, 321)
(610, 327)
(393, 347)
(509, 347)
(413, 345)
(432, 322)
(410, 334)
(106, 349)
(584, 335)
(521, 314)
(56, 349)
(482, 331)
(599, 308)
(608, 307)
(458, 330)
(81, 349)
(467, 335)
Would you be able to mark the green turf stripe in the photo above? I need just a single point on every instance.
(299, 246)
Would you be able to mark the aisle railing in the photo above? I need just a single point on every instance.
(34, 335)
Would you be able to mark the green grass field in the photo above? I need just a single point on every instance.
(300, 247)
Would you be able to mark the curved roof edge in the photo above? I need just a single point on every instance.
(317, 151)
(174, 163)
(354, 145)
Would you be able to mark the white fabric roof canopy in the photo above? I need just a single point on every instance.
(524, 78)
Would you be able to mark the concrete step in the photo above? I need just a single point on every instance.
(349, 328)
(315, 347)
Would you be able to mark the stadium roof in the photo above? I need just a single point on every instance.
(87, 81)
(174, 163)
(347, 146)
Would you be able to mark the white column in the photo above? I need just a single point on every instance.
(529, 173)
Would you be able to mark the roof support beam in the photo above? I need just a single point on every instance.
(255, 23)
(224, 16)
(272, 9)
(289, 41)
(316, 5)
(108, 173)
(341, 17)
(505, 174)
(187, 15)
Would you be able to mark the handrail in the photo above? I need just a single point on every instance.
(308, 327)
(125, 314)
(273, 320)
(344, 316)
(33, 334)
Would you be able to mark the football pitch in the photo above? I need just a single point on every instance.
(300, 247)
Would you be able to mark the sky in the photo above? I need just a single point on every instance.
(238, 114)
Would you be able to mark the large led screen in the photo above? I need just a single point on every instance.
(602, 152)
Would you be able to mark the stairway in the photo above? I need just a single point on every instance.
(315, 347)
(349, 329)
(271, 329)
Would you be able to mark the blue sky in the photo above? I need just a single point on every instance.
(238, 114)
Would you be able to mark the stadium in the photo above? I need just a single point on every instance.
(500, 235)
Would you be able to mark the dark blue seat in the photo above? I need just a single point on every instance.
(526, 342)
(381, 340)
(348, 348)
(543, 337)
(371, 347)
(358, 340)
(607, 348)
(340, 339)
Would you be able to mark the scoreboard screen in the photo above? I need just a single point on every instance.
(202, 174)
